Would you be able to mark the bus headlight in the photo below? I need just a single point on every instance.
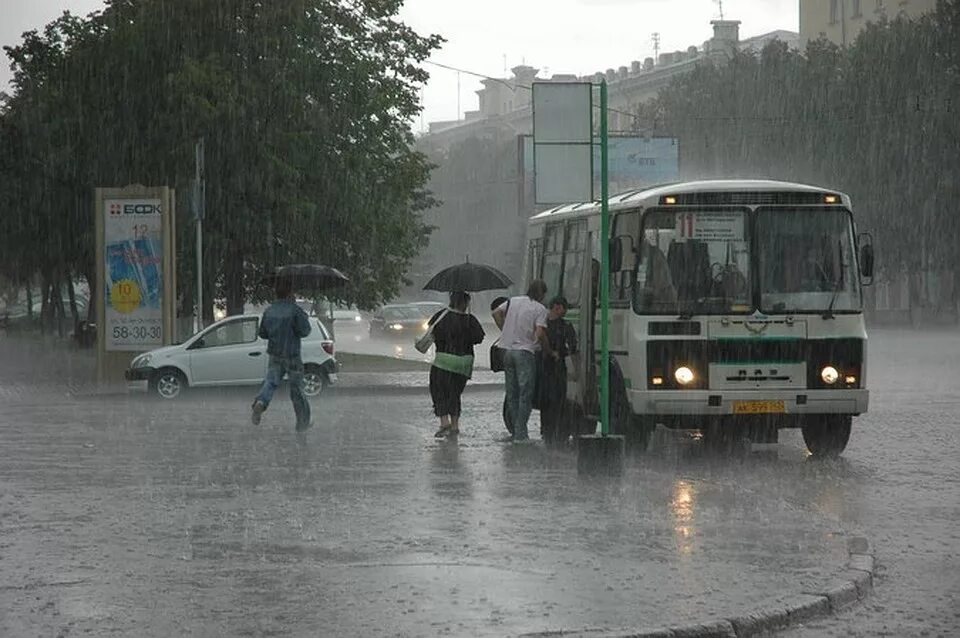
(683, 375)
(829, 375)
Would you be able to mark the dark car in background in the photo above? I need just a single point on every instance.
(398, 321)
(428, 308)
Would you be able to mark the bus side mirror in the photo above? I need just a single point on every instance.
(866, 261)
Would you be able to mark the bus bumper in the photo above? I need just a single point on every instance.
(682, 403)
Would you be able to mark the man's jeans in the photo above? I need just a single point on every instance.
(293, 368)
(520, 367)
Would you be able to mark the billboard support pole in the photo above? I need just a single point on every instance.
(603, 453)
(198, 211)
(604, 268)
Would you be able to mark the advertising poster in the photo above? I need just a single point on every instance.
(133, 274)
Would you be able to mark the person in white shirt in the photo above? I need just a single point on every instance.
(523, 322)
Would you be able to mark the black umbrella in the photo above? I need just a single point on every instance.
(313, 277)
(468, 278)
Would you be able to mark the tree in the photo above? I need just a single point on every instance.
(304, 108)
(877, 119)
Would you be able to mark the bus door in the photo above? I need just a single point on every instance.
(583, 389)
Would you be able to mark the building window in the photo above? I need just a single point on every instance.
(856, 9)
(833, 11)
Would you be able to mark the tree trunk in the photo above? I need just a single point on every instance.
(45, 304)
(74, 312)
(209, 290)
(234, 282)
(29, 300)
(93, 285)
(59, 312)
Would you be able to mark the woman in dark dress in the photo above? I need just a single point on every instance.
(455, 332)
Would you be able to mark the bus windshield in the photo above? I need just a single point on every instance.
(807, 261)
(694, 262)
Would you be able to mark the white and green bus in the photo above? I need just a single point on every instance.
(735, 309)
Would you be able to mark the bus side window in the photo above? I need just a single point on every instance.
(621, 283)
(574, 255)
(553, 259)
(534, 260)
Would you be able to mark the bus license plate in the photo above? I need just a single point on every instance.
(759, 407)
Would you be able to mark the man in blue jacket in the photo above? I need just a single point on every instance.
(283, 324)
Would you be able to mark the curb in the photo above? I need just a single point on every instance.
(851, 586)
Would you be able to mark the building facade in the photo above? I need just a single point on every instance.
(840, 21)
(480, 177)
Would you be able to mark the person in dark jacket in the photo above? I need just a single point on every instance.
(284, 324)
(552, 386)
(455, 333)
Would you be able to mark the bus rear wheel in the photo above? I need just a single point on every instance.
(827, 436)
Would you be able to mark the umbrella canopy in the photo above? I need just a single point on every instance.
(468, 278)
(313, 277)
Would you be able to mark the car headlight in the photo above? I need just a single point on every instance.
(426, 325)
(142, 361)
(358, 318)
(829, 374)
(396, 326)
(684, 375)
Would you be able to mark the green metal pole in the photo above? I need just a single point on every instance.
(604, 269)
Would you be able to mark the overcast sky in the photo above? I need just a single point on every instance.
(487, 36)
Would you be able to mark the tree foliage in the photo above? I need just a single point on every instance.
(879, 120)
(304, 107)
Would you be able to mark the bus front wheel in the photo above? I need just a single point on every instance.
(827, 436)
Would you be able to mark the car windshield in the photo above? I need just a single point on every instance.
(694, 261)
(428, 309)
(399, 314)
(807, 261)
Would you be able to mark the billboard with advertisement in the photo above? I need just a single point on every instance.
(634, 161)
(133, 282)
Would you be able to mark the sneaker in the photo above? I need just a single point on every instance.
(303, 427)
(257, 411)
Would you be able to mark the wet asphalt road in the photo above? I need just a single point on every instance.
(132, 517)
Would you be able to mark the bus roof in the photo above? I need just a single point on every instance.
(651, 196)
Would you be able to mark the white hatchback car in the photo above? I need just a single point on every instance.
(229, 353)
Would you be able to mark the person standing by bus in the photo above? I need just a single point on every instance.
(455, 333)
(552, 383)
(283, 324)
(524, 332)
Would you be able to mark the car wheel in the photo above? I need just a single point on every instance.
(314, 381)
(827, 436)
(168, 383)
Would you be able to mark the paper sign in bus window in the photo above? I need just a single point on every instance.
(714, 226)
